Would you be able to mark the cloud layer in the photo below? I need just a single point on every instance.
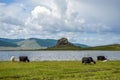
(84, 21)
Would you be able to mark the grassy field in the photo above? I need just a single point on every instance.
(59, 70)
(113, 47)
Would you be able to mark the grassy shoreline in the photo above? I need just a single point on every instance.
(62, 50)
(59, 70)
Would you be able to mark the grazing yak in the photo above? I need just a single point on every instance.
(12, 58)
(24, 59)
(101, 58)
(88, 60)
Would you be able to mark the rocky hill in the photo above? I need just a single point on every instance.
(50, 44)
(31, 43)
(64, 42)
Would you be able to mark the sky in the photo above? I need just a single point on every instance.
(90, 22)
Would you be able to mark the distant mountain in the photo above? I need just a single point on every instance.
(31, 43)
(11, 40)
(81, 45)
(45, 42)
(35, 43)
(7, 44)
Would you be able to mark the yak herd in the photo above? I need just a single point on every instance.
(90, 59)
(85, 60)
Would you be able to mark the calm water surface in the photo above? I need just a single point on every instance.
(58, 55)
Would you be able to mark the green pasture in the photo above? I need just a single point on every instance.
(59, 70)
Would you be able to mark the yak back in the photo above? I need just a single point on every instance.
(24, 59)
(101, 58)
(88, 60)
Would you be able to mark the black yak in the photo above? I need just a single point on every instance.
(88, 60)
(24, 59)
(101, 58)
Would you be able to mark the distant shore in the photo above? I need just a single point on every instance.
(114, 47)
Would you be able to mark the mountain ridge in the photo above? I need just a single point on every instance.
(30, 43)
(48, 44)
(7, 44)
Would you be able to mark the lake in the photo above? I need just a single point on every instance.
(58, 55)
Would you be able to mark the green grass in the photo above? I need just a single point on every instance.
(64, 47)
(59, 70)
(112, 47)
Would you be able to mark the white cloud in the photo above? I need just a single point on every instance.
(40, 10)
(60, 18)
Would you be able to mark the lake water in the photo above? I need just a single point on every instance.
(58, 55)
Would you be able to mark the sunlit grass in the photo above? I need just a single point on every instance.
(59, 70)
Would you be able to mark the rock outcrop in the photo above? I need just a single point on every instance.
(63, 42)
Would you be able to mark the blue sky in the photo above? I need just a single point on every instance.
(91, 22)
(7, 1)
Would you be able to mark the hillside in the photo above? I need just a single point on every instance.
(45, 42)
(81, 45)
(7, 44)
(64, 44)
(35, 43)
(65, 48)
(105, 47)
(31, 43)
